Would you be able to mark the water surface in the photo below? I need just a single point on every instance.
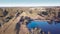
(54, 28)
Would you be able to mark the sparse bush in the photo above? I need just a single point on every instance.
(45, 13)
(5, 13)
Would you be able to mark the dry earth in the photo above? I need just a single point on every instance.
(8, 27)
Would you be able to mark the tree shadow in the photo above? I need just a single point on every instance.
(17, 28)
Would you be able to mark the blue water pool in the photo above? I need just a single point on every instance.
(54, 28)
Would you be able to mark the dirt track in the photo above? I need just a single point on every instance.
(9, 27)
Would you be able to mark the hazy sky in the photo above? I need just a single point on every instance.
(29, 2)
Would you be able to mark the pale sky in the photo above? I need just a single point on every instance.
(29, 3)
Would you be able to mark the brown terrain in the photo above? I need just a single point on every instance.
(9, 17)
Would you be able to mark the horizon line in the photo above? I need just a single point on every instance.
(27, 5)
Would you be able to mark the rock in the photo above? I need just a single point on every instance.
(35, 31)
